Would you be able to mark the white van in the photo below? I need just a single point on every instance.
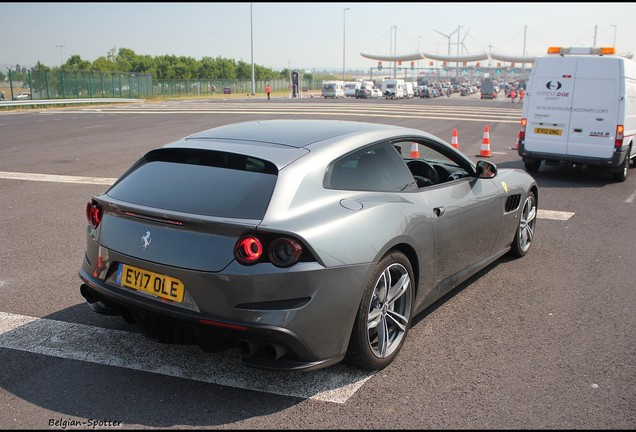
(409, 92)
(333, 89)
(350, 88)
(393, 88)
(580, 110)
(368, 85)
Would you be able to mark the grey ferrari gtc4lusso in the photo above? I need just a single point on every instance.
(301, 243)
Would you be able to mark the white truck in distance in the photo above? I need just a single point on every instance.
(393, 88)
(350, 88)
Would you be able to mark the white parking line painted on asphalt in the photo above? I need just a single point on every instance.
(541, 214)
(491, 115)
(554, 215)
(331, 112)
(56, 178)
(133, 351)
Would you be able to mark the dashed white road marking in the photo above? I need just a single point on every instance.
(133, 351)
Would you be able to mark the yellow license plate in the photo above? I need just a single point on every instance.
(149, 282)
(546, 131)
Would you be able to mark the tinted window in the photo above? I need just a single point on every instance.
(200, 182)
(376, 168)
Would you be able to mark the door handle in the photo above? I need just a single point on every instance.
(439, 211)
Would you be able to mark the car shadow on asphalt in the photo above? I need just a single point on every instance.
(550, 176)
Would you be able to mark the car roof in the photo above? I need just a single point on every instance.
(285, 140)
(292, 133)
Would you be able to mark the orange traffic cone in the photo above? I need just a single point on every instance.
(415, 151)
(516, 147)
(454, 142)
(485, 144)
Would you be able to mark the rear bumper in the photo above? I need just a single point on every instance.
(288, 321)
(617, 159)
(265, 347)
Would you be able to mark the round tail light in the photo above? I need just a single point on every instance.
(284, 252)
(248, 250)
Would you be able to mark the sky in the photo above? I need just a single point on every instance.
(304, 36)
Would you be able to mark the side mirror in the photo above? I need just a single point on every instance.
(486, 169)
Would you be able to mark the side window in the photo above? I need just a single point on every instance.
(376, 168)
(430, 163)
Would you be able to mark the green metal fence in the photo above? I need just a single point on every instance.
(58, 84)
(79, 84)
(199, 87)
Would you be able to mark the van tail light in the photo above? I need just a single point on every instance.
(522, 131)
(620, 133)
(94, 213)
(280, 251)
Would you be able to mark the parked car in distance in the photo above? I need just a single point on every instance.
(312, 242)
(363, 93)
(22, 96)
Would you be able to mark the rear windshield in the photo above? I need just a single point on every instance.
(199, 182)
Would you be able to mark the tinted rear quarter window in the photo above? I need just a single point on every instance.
(376, 168)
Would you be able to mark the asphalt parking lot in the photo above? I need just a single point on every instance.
(544, 342)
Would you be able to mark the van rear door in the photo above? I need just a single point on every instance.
(594, 107)
(549, 102)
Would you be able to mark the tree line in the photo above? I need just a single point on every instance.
(165, 67)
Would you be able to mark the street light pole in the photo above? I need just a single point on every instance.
(457, 63)
(344, 13)
(394, 48)
(418, 51)
(60, 47)
(252, 50)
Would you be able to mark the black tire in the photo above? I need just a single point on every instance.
(533, 166)
(525, 229)
(387, 304)
(621, 174)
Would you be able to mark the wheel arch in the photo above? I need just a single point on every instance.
(411, 255)
(535, 190)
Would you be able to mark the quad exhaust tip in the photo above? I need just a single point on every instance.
(271, 351)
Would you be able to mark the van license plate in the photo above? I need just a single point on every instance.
(546, 131)
(149, 282)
